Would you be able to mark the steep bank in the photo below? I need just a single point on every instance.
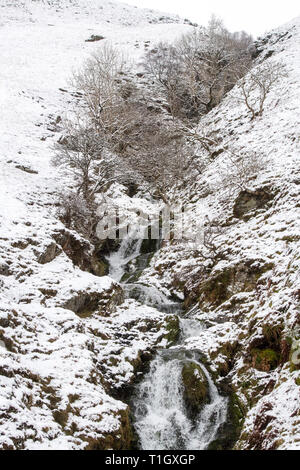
(68, 341)
(247, 291)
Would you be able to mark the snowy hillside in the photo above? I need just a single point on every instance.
(71, 343)
(251, 296)
(48, 354)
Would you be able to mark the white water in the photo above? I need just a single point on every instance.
(190, 327)
(161, 418)
(129, 250)
(162, 421)
(150, 295)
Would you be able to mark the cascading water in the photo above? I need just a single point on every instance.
(128, 251)
(161, 418)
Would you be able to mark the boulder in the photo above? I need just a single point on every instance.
(196, 388)
(49, 254)
(102, 303)
(233, 279)
(250, 201)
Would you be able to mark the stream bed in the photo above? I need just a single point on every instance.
(161, 416)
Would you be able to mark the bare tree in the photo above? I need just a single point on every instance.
(99, 81)
(254, 87)
(83, 152)
(198, 70)
(211, 56)
(239, 168)
(165, 65)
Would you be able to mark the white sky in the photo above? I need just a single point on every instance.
(253, 16)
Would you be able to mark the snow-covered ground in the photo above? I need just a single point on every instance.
(51, 390)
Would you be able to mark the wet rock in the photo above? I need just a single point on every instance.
(196, 388)
(230, 431)
(149, 246)
(250, 201)
(102, 303)
(135, 267)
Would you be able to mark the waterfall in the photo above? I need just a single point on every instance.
(150, 295)
(128, 251)
(190, 327)
(161, 417)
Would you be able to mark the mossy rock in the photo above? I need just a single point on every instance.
(231, 430)
(264, 359)
(236, 414)
(241, 277)
(295, 356)
(173, 329)
(100, 267)
(196, 388)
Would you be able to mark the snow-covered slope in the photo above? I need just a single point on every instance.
(249, 295)
(52, 393)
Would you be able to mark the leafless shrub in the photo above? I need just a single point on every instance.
(83, 152)
(199, 135)
(200, 69)
(158, 154)
(254, 88)
(205, 246)
(99, 79)
(238, 169)
(77, 213)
